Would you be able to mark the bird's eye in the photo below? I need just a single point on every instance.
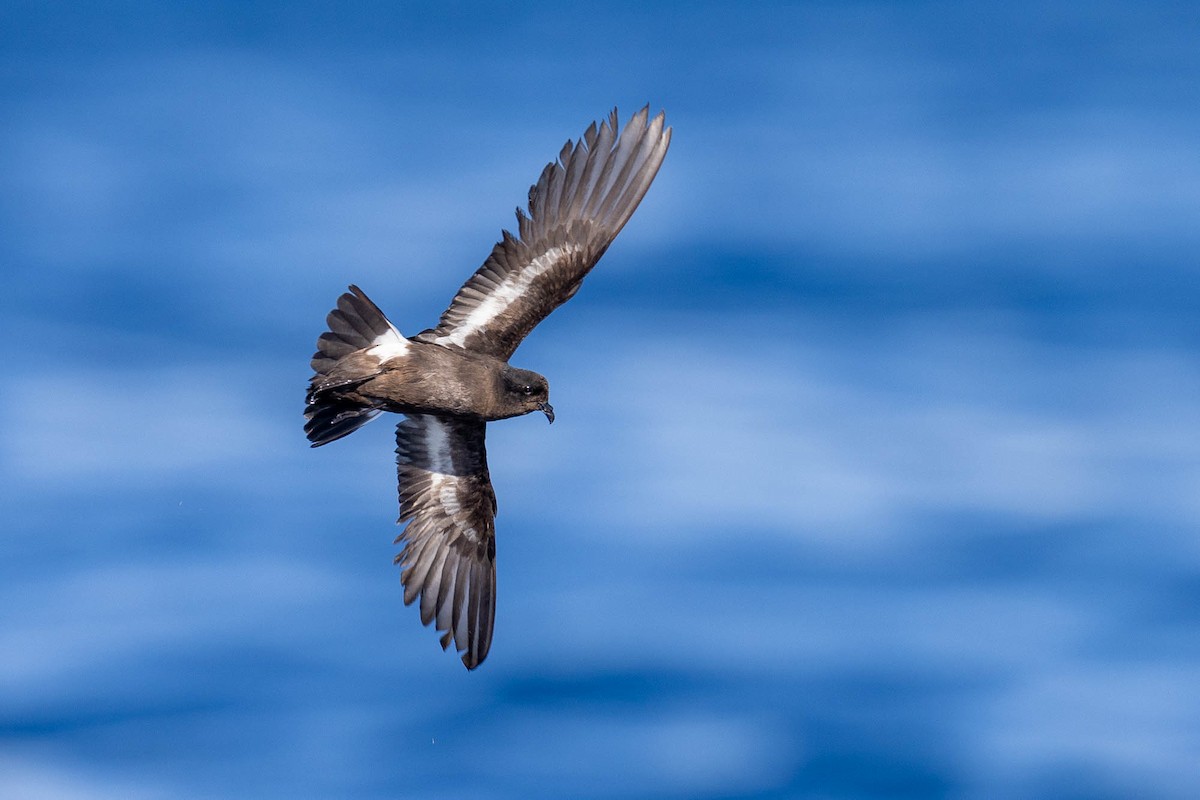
(528, 390)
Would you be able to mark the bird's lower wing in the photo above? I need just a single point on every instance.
(448, 507)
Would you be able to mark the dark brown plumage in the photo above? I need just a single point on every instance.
(451, 380)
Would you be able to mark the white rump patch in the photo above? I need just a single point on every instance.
(507, 293)
(388, 345)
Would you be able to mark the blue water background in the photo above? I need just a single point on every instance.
(877, 463)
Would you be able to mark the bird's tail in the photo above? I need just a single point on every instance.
(359, 339)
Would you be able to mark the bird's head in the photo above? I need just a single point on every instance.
(526, 391)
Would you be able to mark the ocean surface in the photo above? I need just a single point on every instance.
(876, 468)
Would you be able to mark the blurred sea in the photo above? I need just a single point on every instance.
(877, 463)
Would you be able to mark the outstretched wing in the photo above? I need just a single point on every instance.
(576, 209)
(449, 554)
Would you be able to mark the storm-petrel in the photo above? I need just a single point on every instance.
(450, 381)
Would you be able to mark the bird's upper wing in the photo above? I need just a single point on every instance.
(449, 554)
(576, 209)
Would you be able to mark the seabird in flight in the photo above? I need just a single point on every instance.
(450, 381)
